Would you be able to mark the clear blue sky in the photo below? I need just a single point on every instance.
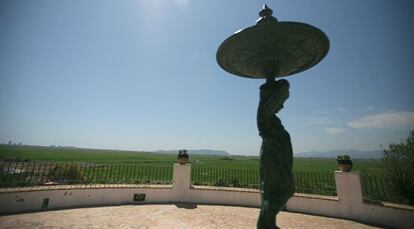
(142, 75)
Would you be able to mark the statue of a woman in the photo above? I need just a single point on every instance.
(276, 156)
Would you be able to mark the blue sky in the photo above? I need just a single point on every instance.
(142, 75)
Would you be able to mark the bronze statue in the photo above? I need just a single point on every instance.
(268, 50)
(276, 155)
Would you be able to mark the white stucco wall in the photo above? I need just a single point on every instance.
(13, 202)
(318, 205)
(348, 204)
(352, 205)
(225, 197)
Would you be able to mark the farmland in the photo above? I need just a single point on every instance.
(62, 154)
(36, 165)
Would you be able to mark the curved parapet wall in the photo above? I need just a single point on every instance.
(58, 197)
(348, 204)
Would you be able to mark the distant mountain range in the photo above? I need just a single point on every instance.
(197, 152)
(355, 154)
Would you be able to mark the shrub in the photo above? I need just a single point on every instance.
(220, 182)
(65, 174)
(227, 158)
(398, 163)
(235, 182)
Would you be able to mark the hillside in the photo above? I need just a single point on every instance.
(197, 152)
(355, 154)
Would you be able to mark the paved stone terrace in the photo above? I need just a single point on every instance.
(166, 216)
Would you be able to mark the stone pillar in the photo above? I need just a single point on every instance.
(181, 182)
(348, 187)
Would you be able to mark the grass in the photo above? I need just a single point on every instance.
(115, 166)
(61, 154)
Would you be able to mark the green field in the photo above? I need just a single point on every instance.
(90, 166)
(60, 154)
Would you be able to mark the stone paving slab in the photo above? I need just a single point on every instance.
(166, 216)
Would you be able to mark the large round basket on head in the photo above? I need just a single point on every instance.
(272, 49)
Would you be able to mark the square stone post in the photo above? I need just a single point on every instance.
(181, 182)
(348, 188)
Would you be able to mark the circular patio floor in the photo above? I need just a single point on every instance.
(166, 216)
